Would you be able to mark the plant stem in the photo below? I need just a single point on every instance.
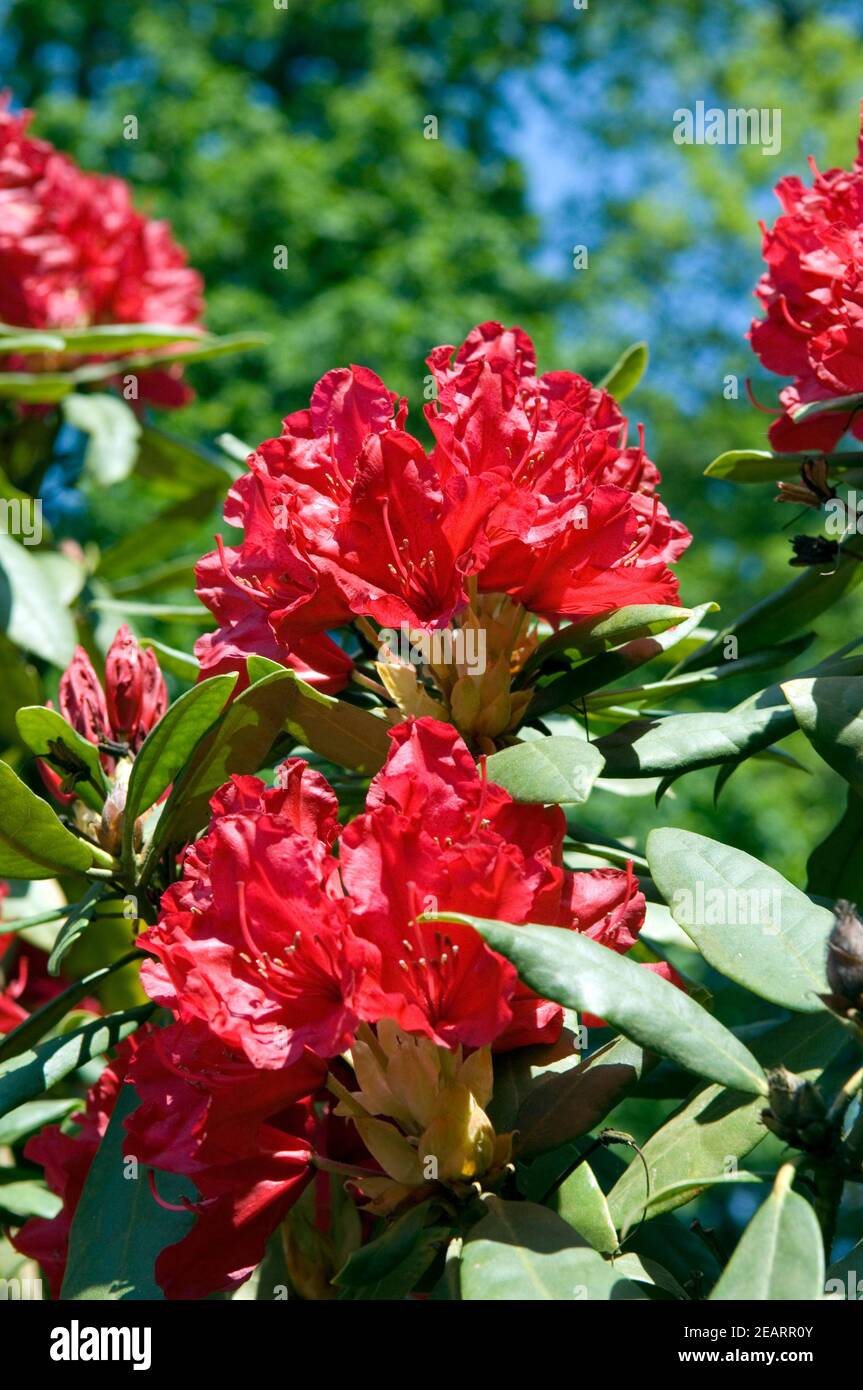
(828, 1195)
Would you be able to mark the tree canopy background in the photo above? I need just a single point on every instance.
(260, 127)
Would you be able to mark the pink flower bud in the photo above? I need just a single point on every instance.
(124, 683)
(82, 701)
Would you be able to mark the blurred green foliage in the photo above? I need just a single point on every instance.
(261, 127)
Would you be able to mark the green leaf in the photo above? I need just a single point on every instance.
(78, 919)
(688, 1188)
(522, 1252)
(26, 1076)
(594, 635)
(761, 466)
(40, 728)
(685, 742)
(50, 1014)
(29, 1118)
(239, 743)
(715, 1127)
(178, 468)
(747, 921)
(581, 1203)
(780, 1254)
(119, 1229)
(626, 372)
(168, 747)
(835, 868)
(829, 710)
(832, 406)
(556, 770)
(30, 613)
(126, 337)
(581, 974)
(390, 1265)
(342, 733)
(563, 1105)
(26, 1198)
(33, 843)
(114, 431)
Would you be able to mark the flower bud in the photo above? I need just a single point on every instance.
(797, 1112)
(845, 956)
(124, 683)
(82, 701)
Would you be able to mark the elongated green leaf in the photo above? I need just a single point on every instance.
(239, 743)
(749, 922)
(33, 843)
(78, 919)
(829, 710)
(581, 974)
(22, 1198)
(371, 1268)
(43, 1019)
(523, 1252)
(688, 1188)
(716, 1128)
(26, 1076)
(581, 1203)
(342, 733)
(29, 1118)
(835, 868)
(562, 1105)
(602, 634)
(50, 736)
(780, 1254)
(179, 468)
(127, 337)
(119, 1229)
(626, 372)
(831, 406)
(761, 466)
(168, 747)
(31, 613)
(559, 770)
(685, 742)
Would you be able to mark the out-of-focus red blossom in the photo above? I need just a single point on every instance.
(66, 1159)
(279, 947)
(531, 490)
(24, 980)
(74, 252)
(133, 701)
(812, 292)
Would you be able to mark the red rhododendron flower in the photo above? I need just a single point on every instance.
(279, 947)
(74, 252)
(530, 491)
(242, 1135)
(812, 295)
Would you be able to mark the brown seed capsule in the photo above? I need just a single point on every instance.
(845, 956)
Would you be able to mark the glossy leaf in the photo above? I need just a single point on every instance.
(581, 974)
(780, 1254)
(717, 1127)
(829, 710)
(581, 1203)
(33, 843)
(50, 1014)
(556, 770)
(39, 728)
(561, 1105)
(749, 922)
(342, 733)
(523, 1252)
(29, 1074)
(30, 611)
(627, 371)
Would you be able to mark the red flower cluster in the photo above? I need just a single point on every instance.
(530, 491)
(271, 952)
(813, 294)
(74, 252)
